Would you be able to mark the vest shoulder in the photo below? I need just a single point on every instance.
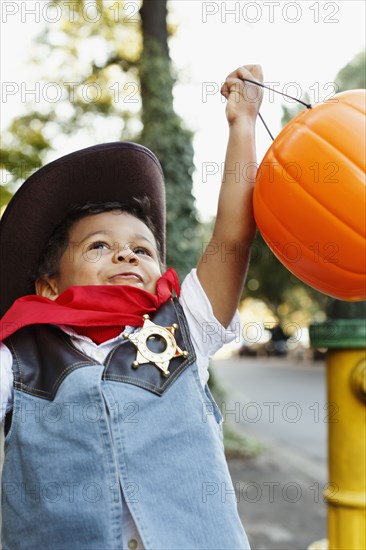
(42, 354)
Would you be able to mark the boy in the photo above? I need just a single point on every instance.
(113, 439)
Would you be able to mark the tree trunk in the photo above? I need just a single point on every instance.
(155, 65)
(153, 17)
(164, 133)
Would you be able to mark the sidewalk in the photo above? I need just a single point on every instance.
(280, 502)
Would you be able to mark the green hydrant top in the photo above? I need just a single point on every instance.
(339, 333)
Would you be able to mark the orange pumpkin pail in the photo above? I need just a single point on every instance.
(309, 197)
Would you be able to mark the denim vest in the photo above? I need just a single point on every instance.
(83, 432)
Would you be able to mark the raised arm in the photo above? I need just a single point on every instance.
(224, 264)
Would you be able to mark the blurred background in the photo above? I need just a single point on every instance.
(79, 73)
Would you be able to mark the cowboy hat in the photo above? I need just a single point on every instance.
(113, 171)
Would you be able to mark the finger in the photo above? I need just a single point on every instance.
(228, 85)
(225, 90)
(249, 72)
(232, 86)
(253, 72)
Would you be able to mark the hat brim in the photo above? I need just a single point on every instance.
(109, 172)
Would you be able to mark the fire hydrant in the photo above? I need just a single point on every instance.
(346, 388)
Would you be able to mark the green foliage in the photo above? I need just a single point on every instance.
(80, 57)
(5, 196)
(289, 113)
(353, 75)
(270, 281)
(25, 146)
(107, 58)
(236, 444)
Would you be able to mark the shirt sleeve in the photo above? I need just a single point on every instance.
(207, 333)
(6, 381)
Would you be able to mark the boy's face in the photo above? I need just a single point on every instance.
(111, 248)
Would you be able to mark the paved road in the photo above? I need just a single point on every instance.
(280, 493)
(283, 403)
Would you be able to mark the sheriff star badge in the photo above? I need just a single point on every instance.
(146, 355)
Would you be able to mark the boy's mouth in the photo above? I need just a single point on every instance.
(128, 275)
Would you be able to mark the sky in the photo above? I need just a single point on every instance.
(300, 45)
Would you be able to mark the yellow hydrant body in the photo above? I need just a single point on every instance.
(346, 492)
(346, 387)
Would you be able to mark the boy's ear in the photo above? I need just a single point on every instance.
(47, 288)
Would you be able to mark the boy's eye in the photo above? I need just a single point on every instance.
(141, 250)
(98, 245)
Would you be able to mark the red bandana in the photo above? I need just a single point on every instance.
(100, 312)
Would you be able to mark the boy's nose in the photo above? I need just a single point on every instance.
(125, 255)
